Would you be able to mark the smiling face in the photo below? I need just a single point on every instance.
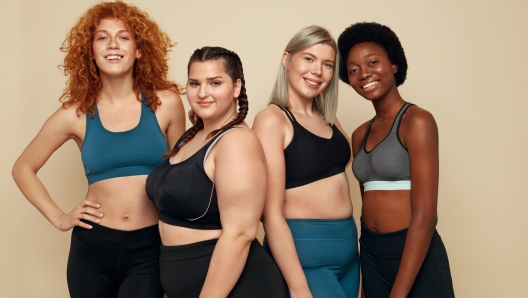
(114, 48)
(309, 71)
(211, 91)
(370, 71)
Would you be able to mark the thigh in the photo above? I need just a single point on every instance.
(350, 281)
(324, 283)
(184, 278)
(140, 273)
(374, 273)
(261, 278)
(90, 270)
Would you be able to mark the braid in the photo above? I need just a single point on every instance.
(233, 67)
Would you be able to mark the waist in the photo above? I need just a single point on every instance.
(173, 235)
(113, 238)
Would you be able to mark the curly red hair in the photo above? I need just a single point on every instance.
(149, 73)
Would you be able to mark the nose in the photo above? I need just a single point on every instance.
(202, 93)
(316, 70)
(364, 72)
(113, 45)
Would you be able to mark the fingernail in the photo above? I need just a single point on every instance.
(89, 227)
(98, 220)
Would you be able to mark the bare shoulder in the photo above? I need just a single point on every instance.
(239, 141)
(417, 119)
(170, 99)
(270, 118)
(68, 119)
(359, 132)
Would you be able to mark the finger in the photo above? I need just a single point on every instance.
(91, 211)
(84, 225)
(90, 218)
(86, 203)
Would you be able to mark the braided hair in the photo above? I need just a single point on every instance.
(233, 68)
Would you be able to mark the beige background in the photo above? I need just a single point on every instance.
(467, 65)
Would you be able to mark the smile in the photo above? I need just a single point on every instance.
(312, 83)
(113, 57)
(371, 84)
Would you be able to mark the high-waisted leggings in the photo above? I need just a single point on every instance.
(184, 268)
(380, 259)
(109, 263)
(328, 252)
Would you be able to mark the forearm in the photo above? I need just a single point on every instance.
(35, 192)
(228, 261)
(282, 246)
(416, 246)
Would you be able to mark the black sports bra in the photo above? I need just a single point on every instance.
(310, 158)
(184, 193)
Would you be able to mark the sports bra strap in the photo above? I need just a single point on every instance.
(288, 113)
(397, 120)
(218, 136)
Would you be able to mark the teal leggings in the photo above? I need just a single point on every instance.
(328, 251)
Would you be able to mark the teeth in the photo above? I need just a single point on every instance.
(312, 83)
(113, 57)
(369, 85)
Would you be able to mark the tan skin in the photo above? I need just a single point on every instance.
(236, 164)
(328, 198)
(389, 211)
(119, 203)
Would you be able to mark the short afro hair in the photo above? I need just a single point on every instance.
(377, 33)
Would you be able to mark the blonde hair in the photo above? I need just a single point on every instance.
(325, 102)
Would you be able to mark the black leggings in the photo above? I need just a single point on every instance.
(184, 268)
(108, 263)
(381, 254)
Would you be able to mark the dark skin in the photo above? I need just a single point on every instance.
(371, 74)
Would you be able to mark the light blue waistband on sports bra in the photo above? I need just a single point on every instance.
(387, 185)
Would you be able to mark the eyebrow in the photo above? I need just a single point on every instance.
(120, 31)
(353, 61)
(208, 79)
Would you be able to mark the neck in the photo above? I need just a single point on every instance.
(299, 104)
(117, 89)
(388, 106)
(213, 124)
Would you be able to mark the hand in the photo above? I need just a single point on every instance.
(192, 116)
(87, 210)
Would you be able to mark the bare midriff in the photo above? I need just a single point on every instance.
(124, 203)
(175, 235)
(385, 211)
(327, 198)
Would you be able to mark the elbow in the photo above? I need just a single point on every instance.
(426, 221)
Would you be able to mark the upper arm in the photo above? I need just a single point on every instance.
(420, 136)
(338, 125)
(269, 127)
(240, 181)
(173, 114)
(61, 126)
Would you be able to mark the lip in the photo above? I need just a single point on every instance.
(113, 57)
(204, 103)
(312, 83)
(369, 86)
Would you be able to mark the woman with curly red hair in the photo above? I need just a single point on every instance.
(123, 114)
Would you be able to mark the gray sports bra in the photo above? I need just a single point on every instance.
(386, 166)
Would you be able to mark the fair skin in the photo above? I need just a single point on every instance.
(309, 73)
(371, 74)
(236, 164)
(119, 203)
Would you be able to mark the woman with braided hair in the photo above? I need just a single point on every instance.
(123, 114)
(211, 191)
(308, 213)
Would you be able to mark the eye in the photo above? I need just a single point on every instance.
(124, 38)
(353, 70)
(102, 37)
(215, 83)
(193, 84)
(308, 59)
(328, 65)
(373, 62)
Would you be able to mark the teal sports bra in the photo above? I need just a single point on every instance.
(106, 154)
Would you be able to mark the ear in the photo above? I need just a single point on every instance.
(138, 53)
(238, 87)
(394, 68)
(285, 58)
